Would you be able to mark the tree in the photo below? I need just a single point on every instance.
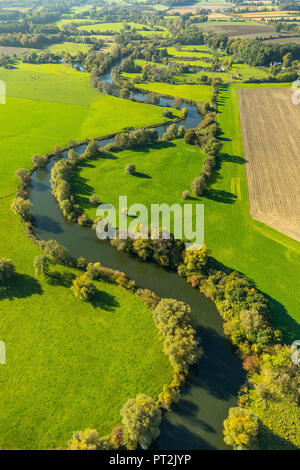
(240, 429)
(39, 160)
(199, 184)
(141, 421)
(7, 270)
(23, 175)
(130, 169)
(22, 207)
(83, 288)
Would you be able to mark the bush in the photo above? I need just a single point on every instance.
(83, 288)
(185, 195)
(41, 265)
(7, 270)
(84, 220)
(94, 199)
(23, 175)
(167, 113)
(130, 169)
(81, 263)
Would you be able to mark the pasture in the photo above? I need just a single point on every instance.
(233, 29)
(72, 364)
(270, 128)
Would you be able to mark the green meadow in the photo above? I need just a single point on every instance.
(114, 27)
(188, 92)
(71, 47)
(50, 384)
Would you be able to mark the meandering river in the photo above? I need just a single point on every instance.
(196, 422)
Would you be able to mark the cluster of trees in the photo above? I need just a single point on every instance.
(166, 252)
(60, 182)
(241, 429)
(140, 137)
(173, 321)
(205, 136)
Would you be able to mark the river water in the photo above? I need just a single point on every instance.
(196, 422)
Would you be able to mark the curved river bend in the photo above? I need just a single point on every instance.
(196, 422)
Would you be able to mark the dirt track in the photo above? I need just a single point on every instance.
(271, 136)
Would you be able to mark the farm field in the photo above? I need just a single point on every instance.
(237, 29)
(270, 129)
(8, 50)
(286, 40)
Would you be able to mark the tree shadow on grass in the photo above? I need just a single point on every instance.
(104, 301)
(63, 279)
(20, 286)
(138, 174)
(225, 157)
(270, 441)
(220, 196)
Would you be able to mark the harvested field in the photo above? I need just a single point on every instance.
(286, 40)
(270, 125)
(237, 29)
(7, 50)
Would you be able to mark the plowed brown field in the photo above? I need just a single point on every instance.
(271, 136)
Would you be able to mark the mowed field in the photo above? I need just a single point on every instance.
(271, 135)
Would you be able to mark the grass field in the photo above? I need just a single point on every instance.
(72, 365)
(71, 47)
(162, 173)
(268, 134)
(188, 92)
(114, 27)
(35, 317)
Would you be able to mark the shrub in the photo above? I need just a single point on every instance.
(7, 270)
(41, 265)
(94, 199)
(148, 297)
(130, 169)
(84, 220)
(81, 263)
(190, 137)
(141, 420)
(83, 288)
(167, 113)
(86, 440)
(186, 195)
(240, 429)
